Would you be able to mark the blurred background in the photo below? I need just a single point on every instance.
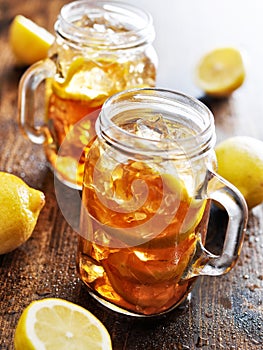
(185, 31)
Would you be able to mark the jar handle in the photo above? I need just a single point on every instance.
(206, 263)
(27, 88)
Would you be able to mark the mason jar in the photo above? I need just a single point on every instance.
(149, 180)
(100, 48)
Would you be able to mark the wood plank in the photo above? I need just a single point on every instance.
(223, 312)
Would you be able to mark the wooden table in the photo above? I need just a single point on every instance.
(223, 312)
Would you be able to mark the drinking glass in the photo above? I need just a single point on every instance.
(101, 47)
(149, 180)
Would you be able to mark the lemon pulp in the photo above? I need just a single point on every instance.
(220, 72)
(54, 323)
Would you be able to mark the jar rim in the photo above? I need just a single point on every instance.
(139, 23)
(191, 146)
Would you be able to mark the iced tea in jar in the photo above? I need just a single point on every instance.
(148, 183)
(101, 48)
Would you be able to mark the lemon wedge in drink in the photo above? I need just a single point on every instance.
(54, 323)
(81, 82)
(29, 42)
(220, 72)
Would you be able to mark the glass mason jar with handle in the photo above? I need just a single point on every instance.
(149, 180)
(100, 48)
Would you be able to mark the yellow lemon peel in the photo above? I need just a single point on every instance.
(19, 211)
(59, 324)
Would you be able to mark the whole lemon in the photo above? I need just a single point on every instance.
(20, 206)
(240, 161)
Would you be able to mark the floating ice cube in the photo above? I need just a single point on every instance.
(153, 128)
(101, 23)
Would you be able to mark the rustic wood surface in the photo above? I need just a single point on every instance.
(223, 312)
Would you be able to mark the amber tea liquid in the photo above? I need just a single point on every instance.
(80, 90)
(100, 48)
(143, 276)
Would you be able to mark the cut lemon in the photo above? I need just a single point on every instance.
(81, 82)
(54, 323)
(29, 42)
(175, 185)
(220, 72)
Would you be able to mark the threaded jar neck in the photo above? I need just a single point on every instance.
(157, 122)
(104, 24)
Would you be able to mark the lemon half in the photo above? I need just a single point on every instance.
(29, 42)
(220, 72)
(54, 323)
(79, 83)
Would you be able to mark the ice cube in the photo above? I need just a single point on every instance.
(101, 23)
(154, 128)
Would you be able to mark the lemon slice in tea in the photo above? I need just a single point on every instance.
(83, 82)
